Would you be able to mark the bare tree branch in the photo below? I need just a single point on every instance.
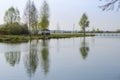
(110, 5)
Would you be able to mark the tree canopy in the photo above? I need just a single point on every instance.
(44, 18)
(12, 15)
(84, 22)
(31, 16)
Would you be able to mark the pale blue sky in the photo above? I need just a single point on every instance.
(68, 12)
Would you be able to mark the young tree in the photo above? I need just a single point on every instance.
(31, 16)
(110, 4)
(84, 23)
(44, 18)
(26, 15)
(12, 15)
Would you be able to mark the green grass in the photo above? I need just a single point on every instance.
(26, 38)
(14, 38)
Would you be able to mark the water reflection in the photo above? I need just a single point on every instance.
(45, 56)
(12, 57)
(58, 45)
(31, 59)
(84, 49)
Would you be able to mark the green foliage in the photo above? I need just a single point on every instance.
(84, 22)
(12, 15)
(26, 38)
(13, 29)
(44, 22)
(118, 30)
(33, 17)
(14, 38)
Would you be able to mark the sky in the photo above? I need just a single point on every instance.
(67, 13)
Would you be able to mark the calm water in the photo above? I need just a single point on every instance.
(93, 58)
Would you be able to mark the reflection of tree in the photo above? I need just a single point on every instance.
(84, 49)
(31, 60)
(12, 58)
(45, 56)
(58, 45)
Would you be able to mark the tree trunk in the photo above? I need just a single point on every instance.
(84, 32)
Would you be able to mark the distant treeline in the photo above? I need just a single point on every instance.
(67, 31)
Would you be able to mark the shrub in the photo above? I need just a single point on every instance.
(13, 29)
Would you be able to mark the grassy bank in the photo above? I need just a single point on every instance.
(26, 38)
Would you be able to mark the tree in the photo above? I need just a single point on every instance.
(84, 23)
(98, 30)
(27, 12)
(44, 18)
(33, 17)
(12, 15)
(26, 15)
(110, 4)
(93, 30)
(14, 29)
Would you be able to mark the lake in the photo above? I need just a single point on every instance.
(90, 58)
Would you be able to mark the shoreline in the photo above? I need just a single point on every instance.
(26, 38)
